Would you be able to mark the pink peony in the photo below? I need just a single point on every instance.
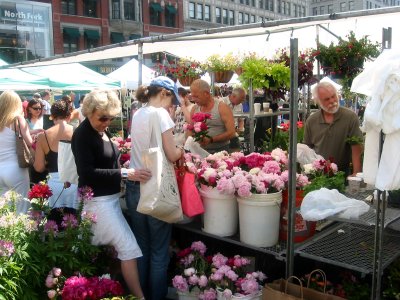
(51, 294)
(218, 260)
(56, 272)
(199, 246)
(180, 283)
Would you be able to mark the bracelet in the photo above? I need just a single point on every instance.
(211, 140)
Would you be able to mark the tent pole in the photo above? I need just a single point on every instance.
(294, 71)
(140, 59)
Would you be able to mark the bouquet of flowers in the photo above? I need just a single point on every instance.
(230, 278)
(193, 267)
(323, 173)
(124, 147)
(199, 126)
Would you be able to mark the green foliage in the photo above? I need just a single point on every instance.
(355, 140)
(218, 62)
(281, 137)
(264, 74)
(327, 181)
(346, 59)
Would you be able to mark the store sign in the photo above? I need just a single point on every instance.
(21, 15)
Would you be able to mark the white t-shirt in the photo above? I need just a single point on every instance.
(141, 132)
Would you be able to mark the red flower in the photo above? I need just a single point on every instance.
(40, 190)
(200, 117)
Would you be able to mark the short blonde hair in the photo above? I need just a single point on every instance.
(10, 108)
(104, 100)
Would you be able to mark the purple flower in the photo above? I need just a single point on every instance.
(209, 294)
(219, 260)
(199, 246)
(180, 283)
(70, 221)
(6, 248)
(85, 193)
(51, 227)
(203, 281)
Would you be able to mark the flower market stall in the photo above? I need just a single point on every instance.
(252, 34)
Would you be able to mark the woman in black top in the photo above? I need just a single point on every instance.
(97, 163)
(46, 156)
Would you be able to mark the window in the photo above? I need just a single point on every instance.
(191, 10)
(218, 15)
(252, 19)
(199, 13)
(261, 4)
(322, 10)
(241, 1)
(295, 10)
(68, 7)
(288, 9)
(71, 39)
(351, 5)
(170, 13)
(91, 38)
(116, 9)
(279, 6)
(315, 11)
(303, 11)
(207, 15)
(129, 10)
(240, 18)
(90, 8)
(155, 13)
(330, 8)
(225, 16)
(247, 2)
(253, 3)
(246, 18)
(231, 17)
(342, 6)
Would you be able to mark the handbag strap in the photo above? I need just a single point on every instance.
(155, 129)
(17, 128)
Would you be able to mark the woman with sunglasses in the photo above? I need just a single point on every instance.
(97, 162)
(12, 177)
(46, 156)
(152, 234)
(34, 116)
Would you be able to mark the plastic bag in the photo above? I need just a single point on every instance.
(306, 155)
(194, 147)
(320, 204)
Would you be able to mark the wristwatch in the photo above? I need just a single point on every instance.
(124, 173)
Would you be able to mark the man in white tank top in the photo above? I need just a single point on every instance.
(221, 127)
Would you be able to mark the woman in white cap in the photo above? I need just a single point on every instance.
(152, 235)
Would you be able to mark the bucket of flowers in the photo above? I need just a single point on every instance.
(124, 147)
(324, 174)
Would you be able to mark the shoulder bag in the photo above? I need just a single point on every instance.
(24, 153)
(159, 197)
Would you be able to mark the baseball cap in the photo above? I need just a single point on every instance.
(37, 95)
(168, 84)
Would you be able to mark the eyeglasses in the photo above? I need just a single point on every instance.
(36, 108)
(104, 119)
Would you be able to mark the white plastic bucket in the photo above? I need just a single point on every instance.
(259, 219)
(194, 295)
(220, 212)
(256, 296)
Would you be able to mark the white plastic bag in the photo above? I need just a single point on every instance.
(320, 204)
(195, 148)
(306, 155)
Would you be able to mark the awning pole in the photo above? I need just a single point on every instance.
(140, 60)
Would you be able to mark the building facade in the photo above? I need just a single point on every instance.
(26, 30)
(321, 7)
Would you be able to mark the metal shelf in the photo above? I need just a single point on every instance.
(279, 250)
(351, 246)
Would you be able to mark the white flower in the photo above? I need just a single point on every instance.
(105, 276)
(254, 171)
(189, 272)
(209, 172)
(308, 168)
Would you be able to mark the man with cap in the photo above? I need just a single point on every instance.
(152, 235)
(45, 103)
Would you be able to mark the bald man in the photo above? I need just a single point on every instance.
(221, 127)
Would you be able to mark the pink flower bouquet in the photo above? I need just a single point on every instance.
(199, 126)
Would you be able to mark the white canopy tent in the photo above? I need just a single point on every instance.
(261, 38)
(73, 76)
(128, 74)
(18, 80)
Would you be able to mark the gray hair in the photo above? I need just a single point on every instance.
(323, 84)
(238, 91)
(104, 100)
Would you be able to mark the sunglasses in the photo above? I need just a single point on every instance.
(104, 119)
(36, 108)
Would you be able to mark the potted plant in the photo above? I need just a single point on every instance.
(305, 64)
(324, 174)
(273, 77)
(185, 69)
(346, 59)
(221, 66)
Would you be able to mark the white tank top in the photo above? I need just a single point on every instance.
(8, 151)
